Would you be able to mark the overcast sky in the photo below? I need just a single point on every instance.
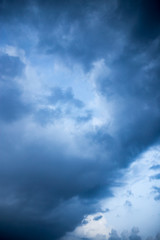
(79, 119)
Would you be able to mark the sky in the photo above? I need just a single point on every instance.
(79, 120)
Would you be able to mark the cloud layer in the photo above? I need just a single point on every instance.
(59, 154)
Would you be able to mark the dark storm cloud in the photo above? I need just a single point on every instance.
(67, 29)
(35, 192)
(45, 192)
(86, 36)
(12, 107)
(27, 226)
(83, 30)
(144, 15)
(12, 9)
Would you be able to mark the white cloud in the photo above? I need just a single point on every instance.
(137, 189)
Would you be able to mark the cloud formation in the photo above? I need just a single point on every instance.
(12, 106)
(56, 163)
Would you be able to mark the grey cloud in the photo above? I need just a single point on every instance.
(10, 67)
(157, 192)
(144, 18)
(73, 29)
(157, 198)
(97, 218)
(136, 98)
(155, 167)
(64, 97)
(125, 235)
(59, 104)
(67, 29)
(84, 118)
(73, 36)
(156, 176)
(106, 210)
(129, 193)
(35, 195)
(113, 235)
(12, 10)
(134, 234)
(102, 137)
(36, 227)
(45, 116)
(128, 203)
(12, 106)
(158, 236)
(84, 222)
(50, 189)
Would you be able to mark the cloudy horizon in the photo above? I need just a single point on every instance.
(80, 119)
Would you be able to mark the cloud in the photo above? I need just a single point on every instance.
(54, 175)
(45, 116)
(64, 97)
(10, 67)
(36, 185)
(114, 235)
(156, 176)
(72, 35)
(158, 236)
(155, 167)
(12, 106)
(144, 18)
(134, 234)
(61, 104)
(98, 218)
(157, 191)
(125, 235)
(128, 203)
(84, 118)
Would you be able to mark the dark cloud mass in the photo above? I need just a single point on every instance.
(46, 187)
